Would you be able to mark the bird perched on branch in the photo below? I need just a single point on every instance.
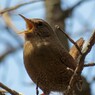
(48, 64)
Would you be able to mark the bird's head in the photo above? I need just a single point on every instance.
(37, 28)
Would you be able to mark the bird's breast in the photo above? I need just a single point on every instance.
(39, 56)
(39, 60)
(37, 48)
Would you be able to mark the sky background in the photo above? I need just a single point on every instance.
(12, 71)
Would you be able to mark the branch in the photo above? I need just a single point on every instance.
(9, 22)
(10, 25)
(11, 50)
(91, 42)
(13, 92)
(57, 27)
(80, 66)
(18, 6)
(69, 11)
(89, 65)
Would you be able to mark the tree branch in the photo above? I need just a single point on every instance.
(10, 25)
(80, 66)
(13, 92)
(89, 65)
(69, 11)
(18, 6)
(57, 27)
(9, 51)
(9, 22)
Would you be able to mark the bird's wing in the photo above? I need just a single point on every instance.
(73, 54)
(68, 60)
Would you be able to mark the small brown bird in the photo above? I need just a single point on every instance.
(48, 64)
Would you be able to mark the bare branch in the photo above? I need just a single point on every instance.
(18, 6)
(9, 51)
(57, 27)
(91, 42)
(9, 22)
(89, 65)
(13, 92)
(80, 66)
(69, 11)
(10, 25)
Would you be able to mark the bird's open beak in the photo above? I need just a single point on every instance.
(29, 23)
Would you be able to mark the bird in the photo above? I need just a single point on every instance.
(46, 60)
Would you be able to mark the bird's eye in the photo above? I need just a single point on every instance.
(40, 24)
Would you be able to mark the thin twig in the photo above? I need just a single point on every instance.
(18, 6)
(9, 51)
(13, 92)
(89, 65)
(57, 27)
(69, 11)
